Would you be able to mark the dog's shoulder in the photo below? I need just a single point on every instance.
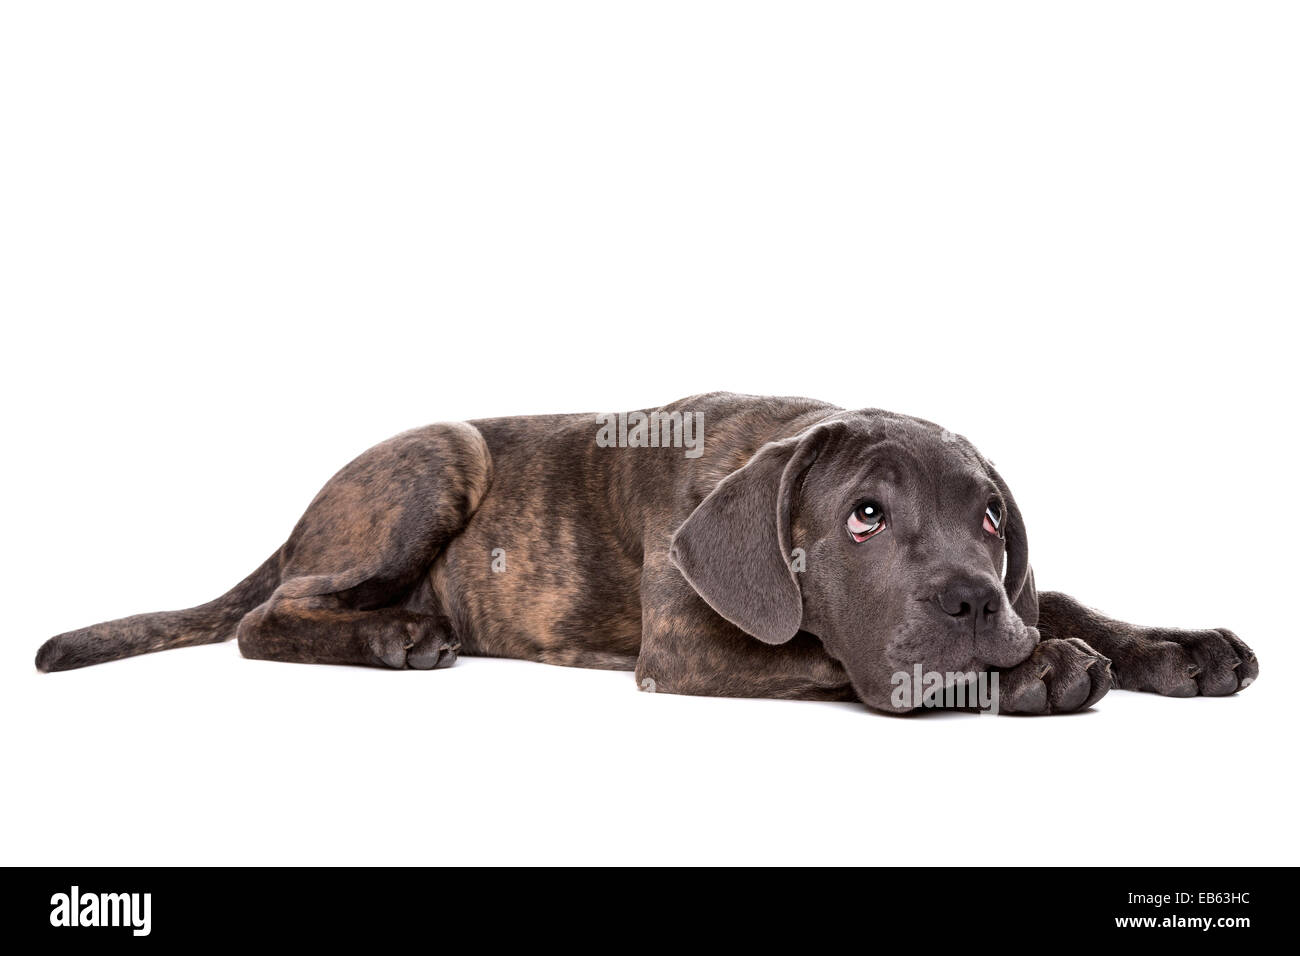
(736, 426)
(717, 406)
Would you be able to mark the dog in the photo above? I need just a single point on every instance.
(723, 545)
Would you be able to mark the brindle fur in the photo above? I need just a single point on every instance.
(393, 565)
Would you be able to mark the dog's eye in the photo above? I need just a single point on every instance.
(866, 520)
(993, 519)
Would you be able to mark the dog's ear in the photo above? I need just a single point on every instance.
(1019, 577)
(735, 548)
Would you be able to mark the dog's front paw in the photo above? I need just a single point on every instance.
(1059, 677)
(1177, 663)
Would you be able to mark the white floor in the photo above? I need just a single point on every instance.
(201, 757)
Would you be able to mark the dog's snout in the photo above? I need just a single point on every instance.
(969, 597)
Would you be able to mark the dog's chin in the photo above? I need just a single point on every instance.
(874, 668)
(944, 651)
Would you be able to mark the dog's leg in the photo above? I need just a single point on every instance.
(1177, 663)
(319, 629)
(350, 593)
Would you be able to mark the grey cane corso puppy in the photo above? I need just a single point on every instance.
(801, 551)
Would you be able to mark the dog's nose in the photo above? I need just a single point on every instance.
(970, 597)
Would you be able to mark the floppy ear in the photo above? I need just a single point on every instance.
(1019, 579)
(734, 549)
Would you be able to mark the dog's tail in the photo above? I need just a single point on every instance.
(143, 633)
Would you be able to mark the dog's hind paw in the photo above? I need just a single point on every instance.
(1059, 677)
(416, 641)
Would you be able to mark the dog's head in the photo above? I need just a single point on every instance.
(884, 536)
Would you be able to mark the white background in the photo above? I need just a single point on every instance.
(243, 241)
